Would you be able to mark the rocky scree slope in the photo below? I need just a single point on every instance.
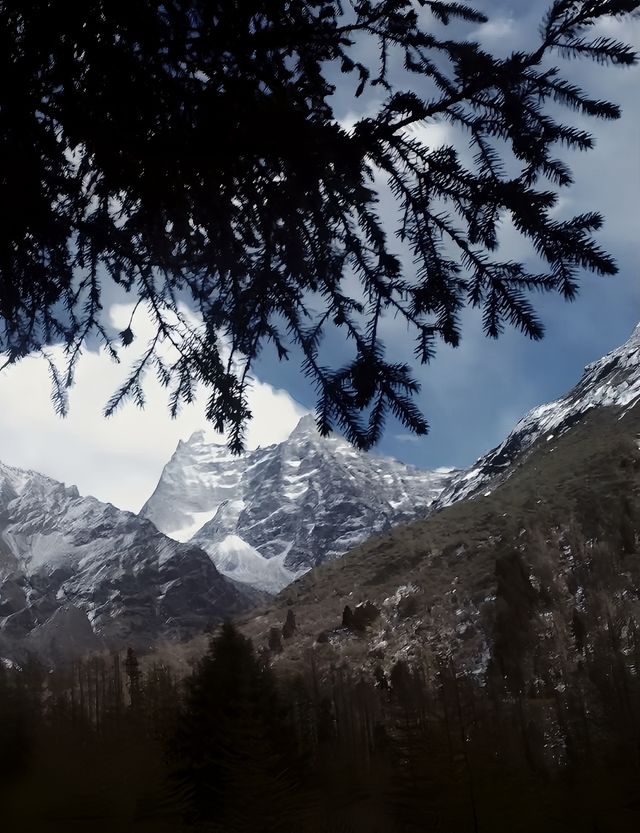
(272, 514)
(518, 581)
(77, 574)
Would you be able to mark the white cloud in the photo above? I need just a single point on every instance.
(432, 135)
(497, 28)
(351, 117)
(117, 459)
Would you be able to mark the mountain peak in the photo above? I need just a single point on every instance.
(72, 566)
(272, 513)
(197, 437)
(306, 425)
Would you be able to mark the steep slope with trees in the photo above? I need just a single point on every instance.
(613, 380)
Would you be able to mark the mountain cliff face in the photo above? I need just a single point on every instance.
(77, 574)
(272, 514)
(612, 381)
(522, 579)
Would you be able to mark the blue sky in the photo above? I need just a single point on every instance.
(472, 396)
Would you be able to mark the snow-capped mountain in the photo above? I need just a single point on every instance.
(77, 573)
(270, 515)
(613, 380)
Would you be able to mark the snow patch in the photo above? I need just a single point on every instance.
(198, 520)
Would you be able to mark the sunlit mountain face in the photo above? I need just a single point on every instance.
(270, 515)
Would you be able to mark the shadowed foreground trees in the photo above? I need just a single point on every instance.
(236, 753)
(190, 151)
(235, 750)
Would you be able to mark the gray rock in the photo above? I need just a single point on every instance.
(272, 514)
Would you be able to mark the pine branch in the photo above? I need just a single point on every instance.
(224, 180)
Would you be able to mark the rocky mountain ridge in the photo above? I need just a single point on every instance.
(272, 514)
(612, 381)
(77, 574)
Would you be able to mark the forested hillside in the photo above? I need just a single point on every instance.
(107, 745)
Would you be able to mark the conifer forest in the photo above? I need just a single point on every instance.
(106, 744)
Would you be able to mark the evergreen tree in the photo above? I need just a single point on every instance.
(16, 725)
(235, 747)
(190, 150)
(289, 627)
(347, 617)
(132, 670)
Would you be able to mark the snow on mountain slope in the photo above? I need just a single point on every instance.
(613, 380)
(270, 515)
(75, 570)
(199, 477)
